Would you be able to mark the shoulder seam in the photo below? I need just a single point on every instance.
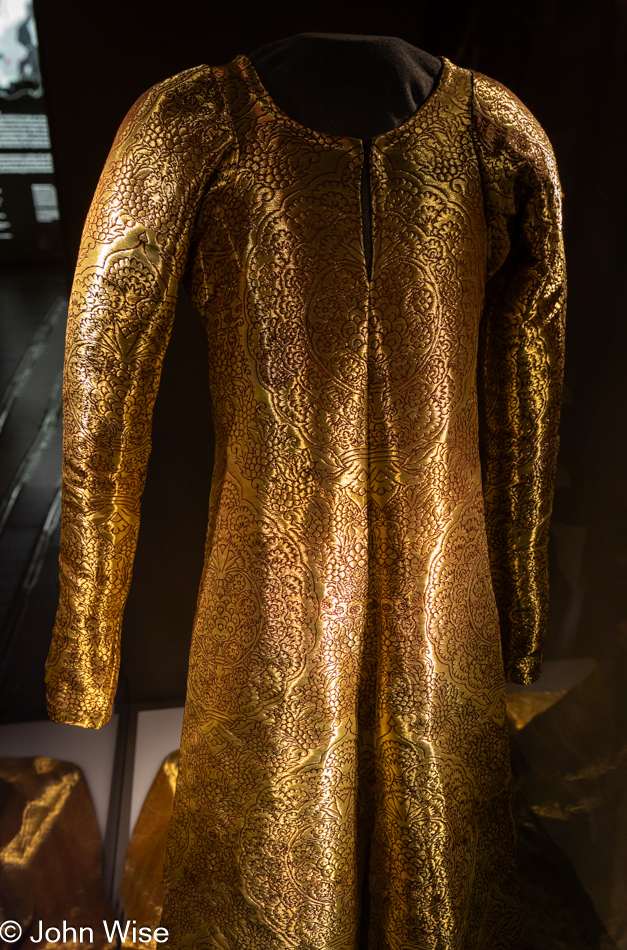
(226, 112)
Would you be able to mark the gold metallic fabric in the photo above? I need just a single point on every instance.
(376, 549)
(50, 854)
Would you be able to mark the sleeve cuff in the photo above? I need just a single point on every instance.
(523, 670)
(93, 717)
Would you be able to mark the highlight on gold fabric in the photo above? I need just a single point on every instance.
(375, 565)
(50, 851)
(141, 891)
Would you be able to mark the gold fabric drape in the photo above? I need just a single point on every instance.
(369, 583)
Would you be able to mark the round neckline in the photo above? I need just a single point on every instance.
(410, 121)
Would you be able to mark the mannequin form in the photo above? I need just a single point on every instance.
(358, 86)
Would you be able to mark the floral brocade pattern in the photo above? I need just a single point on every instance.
(375, 563)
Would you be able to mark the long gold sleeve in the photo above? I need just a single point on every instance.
(133, 253)
(520, 364)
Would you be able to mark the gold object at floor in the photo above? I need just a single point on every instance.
(50, 854)
(368, 584)
(574, 782)
(523, 706)
(141, 891)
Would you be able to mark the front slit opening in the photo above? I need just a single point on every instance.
(366, 206)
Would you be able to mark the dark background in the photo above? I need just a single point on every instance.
(566, 59)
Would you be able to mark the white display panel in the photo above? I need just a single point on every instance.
(158, 734)
(19, 63)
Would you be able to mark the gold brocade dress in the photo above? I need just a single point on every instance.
(375, 564)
